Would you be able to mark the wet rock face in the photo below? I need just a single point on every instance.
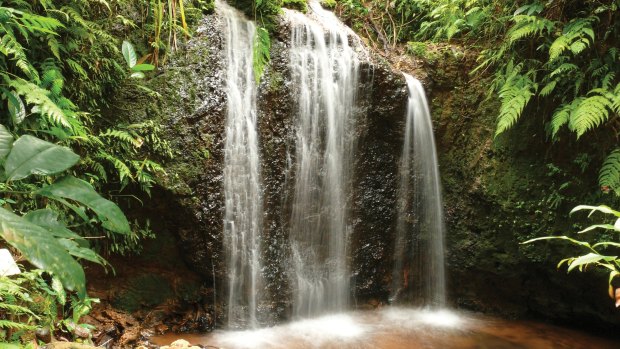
(497, 194)
(373, 211)
(193, 110)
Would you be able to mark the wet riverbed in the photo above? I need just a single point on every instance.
(398, 328)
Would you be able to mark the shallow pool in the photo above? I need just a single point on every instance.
(401, 328)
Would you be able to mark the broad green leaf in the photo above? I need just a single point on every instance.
(576, 242)
(606, 244)
(601, 208)
(143, 67)
(6, 142)
(137, 75)
(587, 259)
(596, 226)
(69, 187)
(82, 252)
(17, 109)
(42, 250)
(129, 53)
(61, 295)
(31, 155)
(48, 220)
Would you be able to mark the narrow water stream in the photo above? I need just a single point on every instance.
(242, 183)
(400, 328)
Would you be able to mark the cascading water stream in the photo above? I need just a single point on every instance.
(242, 183)
(325, 69)
(419, 259)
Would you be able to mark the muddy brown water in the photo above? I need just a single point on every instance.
(398, 328)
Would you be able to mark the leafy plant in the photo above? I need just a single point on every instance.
(39, 235)
(598, 255)
(563, 64)
(262, 45)
(137, 68)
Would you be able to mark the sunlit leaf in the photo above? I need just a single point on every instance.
(31, 155)
(6, 142)
(48, 220)
(71, 188)
(129, 53)
(42, 250)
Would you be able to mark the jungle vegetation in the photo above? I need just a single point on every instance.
(66, 170)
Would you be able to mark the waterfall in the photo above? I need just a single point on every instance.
(325, 71)
(242, 183)
(419, 258)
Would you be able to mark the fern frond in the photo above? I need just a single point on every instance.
(528, 26)
(514, 95)
(261, 55)
(609, 174)
(14, 308)
(590, 113)
(607, 80)
(77, 68)
(35, 23)
(122, 136)
(563, 69)
(123, 171)
(576, 37)
(11, 48)
(54, 46)
(562, 115)
(16, 325)
(39, 97)
(546, 91)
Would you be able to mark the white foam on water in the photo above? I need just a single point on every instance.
(414, 318)
(313, 332)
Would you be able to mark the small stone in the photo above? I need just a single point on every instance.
(180, 343)
(81, 332)
(43, 334)
(161, 329)
(7, 264)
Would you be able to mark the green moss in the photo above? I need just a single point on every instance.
(417, 48)
(328, 3)
(144, 291)
(299, 5)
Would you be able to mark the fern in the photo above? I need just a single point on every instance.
(591, 112)
(527, 26)
(562, 115)
(123, 136)
(19, 326)
(14, 309)
(609, 175)
(123, 171)
(39, 97)
(548, 89)
(515, 94)
(576, 37)
(11, 48)
(564, 69)
(261, 56)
